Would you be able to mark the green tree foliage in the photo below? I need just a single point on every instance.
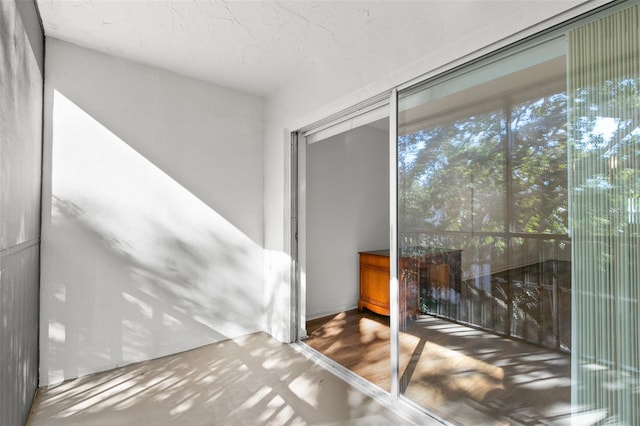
(468, 174)
(606, 157)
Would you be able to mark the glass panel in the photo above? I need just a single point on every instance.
(438, 157)
(482, 193)
(539, 160)
(518, 226)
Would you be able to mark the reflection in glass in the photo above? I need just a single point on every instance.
(439, 157)
(539, 162)
(483, 215)
(518, 201)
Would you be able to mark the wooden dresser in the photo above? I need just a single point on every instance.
(374, 283)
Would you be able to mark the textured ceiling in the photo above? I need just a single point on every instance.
(252, 46)
(259, 46)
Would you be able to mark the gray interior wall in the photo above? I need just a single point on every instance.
(347, 212)
(21, 79)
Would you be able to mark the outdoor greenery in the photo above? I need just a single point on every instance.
(497, 171)
(492, 182)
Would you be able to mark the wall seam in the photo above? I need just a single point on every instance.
(19, 248)
(42, 168)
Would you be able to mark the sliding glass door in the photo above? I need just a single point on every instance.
(518, 195)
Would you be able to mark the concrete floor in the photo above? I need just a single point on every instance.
(253, 380)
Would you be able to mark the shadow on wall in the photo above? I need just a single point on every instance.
(134, 265)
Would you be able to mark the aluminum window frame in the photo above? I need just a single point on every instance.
(521, 41)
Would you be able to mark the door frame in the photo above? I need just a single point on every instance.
(359, 115)
(296, 186)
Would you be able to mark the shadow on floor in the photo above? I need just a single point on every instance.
(253, 380)
(462, 374)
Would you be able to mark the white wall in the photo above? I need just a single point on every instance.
(21, 82)
(347, 193)
(476, 28)
(152, 213)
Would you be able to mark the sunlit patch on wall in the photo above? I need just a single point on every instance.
(56, 331)
(142, 267)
